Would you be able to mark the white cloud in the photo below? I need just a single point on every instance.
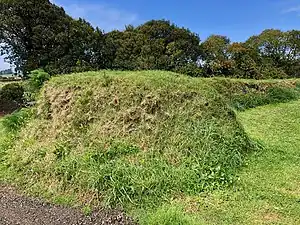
(290, 7)
(103, 15)
(294, 9)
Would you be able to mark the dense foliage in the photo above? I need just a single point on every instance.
(13, 92)
(38, 34)
(11, 97)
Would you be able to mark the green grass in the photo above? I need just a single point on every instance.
(135, 140)
(268, 189)
(246, 94)
(169, 215)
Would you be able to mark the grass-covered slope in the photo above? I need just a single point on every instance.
(268, 190)
(133, 138)
(244, 94)
(130, 137)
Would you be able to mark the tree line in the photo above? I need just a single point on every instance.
(6, 72)
(38, 34)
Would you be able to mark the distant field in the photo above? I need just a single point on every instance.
(157, 144)
(7, 75)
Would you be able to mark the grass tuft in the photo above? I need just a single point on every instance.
(170, 215)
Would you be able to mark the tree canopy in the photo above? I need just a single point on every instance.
(38, 34)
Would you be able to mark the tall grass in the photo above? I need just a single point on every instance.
(272, 95)
(170, 215)
(130, 139)
(246, 94)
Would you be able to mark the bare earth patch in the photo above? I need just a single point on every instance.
(19, 210)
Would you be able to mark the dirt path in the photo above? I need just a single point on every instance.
(19, 210)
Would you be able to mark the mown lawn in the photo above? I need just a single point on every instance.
(268, 191)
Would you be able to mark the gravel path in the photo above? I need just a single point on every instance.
(19, 210)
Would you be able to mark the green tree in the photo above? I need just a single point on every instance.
(28, 30)
(270, 45)
(78, 48)
(167, 46)
(215, 48)
(277, 49)
(244, 65)
(215, 55)
(125, 48)
(292, 65)
(157, 44)
(39, 34)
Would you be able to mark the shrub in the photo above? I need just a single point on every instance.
(11, 97)
(37, 78)
(12, 92)
(270, 96)
(190, 69)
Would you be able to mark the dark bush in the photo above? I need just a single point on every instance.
(11, 98)
(190, 69)
(12, 92)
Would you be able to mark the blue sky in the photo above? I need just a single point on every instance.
(237, 19)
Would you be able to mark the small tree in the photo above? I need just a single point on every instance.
(37, 78)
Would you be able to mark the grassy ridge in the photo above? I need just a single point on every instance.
(245, 94)
(268, 190)
(132, 139)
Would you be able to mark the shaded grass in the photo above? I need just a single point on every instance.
(16, 121)
(246, 94)
(271, 96)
